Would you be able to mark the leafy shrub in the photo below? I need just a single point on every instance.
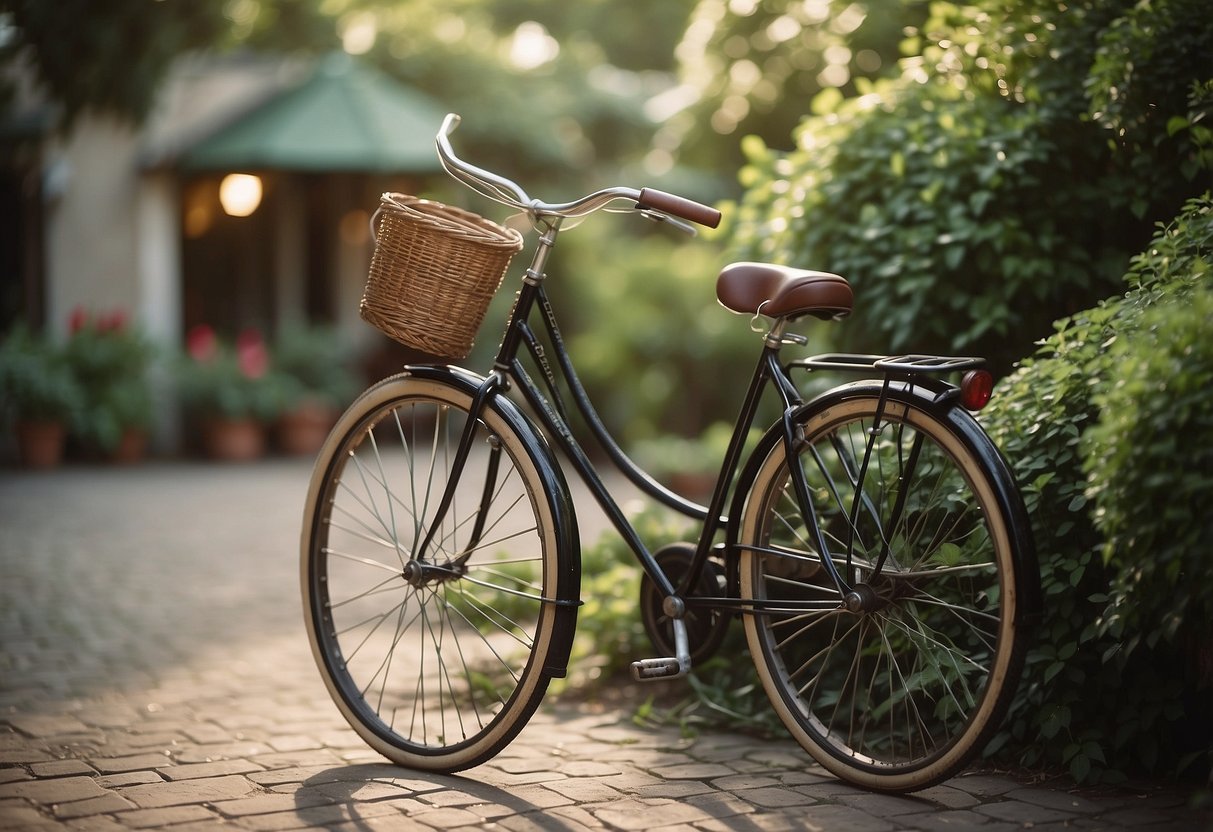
(110, 359)
(951, 196)
(645, 331)
(36, 380)
(1075, 680)
(1150, 464)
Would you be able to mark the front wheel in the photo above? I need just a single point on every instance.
(437, 658)
(899, 695)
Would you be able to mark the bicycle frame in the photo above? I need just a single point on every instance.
(553, 415)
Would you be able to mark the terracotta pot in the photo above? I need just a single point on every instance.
(302, 431)
(233, 440)
(131, 448)
(40, 444)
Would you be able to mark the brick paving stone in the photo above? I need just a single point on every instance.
(328, 816)
(128, 778)
(692, 771)
(735, 782)
(947, 796)
(828, 817)
(61, 768)
(583, 790)
(957, 820)
(138, 762)
(198, 770)
(539, 797)
(48, 727)
(886, 805)
(19, 816)
(17, 756)
(775, 797)
(156, 795)
(983, 785)
(104, 804)
(672, 789)
(9, 775)
(266, 804)
(640, 815)
(1022, 813)
(1060, 800)
(57, 790)
(159, 818)
(224, 751)
(446, 818)
(721, 804)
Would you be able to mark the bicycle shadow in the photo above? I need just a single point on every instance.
(359, 796)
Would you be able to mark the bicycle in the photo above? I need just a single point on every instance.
(873, 542)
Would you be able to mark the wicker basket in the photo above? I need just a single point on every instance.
(434, 271)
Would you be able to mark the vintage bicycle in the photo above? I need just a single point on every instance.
(872, 542)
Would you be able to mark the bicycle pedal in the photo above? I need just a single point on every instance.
(649, 670)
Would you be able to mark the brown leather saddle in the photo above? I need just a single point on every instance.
(783, 292)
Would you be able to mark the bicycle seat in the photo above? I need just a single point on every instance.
(782, 291)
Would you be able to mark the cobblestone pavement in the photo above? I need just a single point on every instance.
(154, 673)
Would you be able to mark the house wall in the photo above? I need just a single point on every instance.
(91, 222)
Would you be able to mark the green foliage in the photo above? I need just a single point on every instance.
(749, 68)
(108, 56)
(1074, 686)
(646, 334)
(1135, 94)
(36, 380)
(313, 365)
(949, 196)
(110, 360)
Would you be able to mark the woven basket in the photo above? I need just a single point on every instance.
(434, 271)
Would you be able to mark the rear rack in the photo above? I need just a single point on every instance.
(908, 364)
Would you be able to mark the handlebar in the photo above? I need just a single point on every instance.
(508, 192)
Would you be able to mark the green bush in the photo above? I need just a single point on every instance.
(1001, 182)
(1075, 683)
(1150, 464)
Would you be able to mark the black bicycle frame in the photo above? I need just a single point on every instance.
(553, 414)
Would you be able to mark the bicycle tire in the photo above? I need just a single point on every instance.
(439, 672)
(901, 697)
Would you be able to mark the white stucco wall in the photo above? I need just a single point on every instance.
(91, 217)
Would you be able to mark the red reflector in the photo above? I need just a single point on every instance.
(975, 389)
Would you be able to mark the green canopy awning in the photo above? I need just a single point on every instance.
(346, 117)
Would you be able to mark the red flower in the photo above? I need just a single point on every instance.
(78, 319)
(251, 354)
(113, 322)
(201, 343)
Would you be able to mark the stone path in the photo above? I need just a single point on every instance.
(154, 673)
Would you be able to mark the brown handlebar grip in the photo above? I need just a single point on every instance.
(679, 206)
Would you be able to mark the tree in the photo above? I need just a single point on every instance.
(110, 56)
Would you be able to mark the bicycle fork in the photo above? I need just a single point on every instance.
(419, 568)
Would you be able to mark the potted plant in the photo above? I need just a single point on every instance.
(316, 383)
(110, 360)
(40, 396)
(228, 392)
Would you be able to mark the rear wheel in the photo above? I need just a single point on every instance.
(436, 658)
(898, 695)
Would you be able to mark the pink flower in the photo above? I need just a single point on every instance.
(251, 354)
(201, 343)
